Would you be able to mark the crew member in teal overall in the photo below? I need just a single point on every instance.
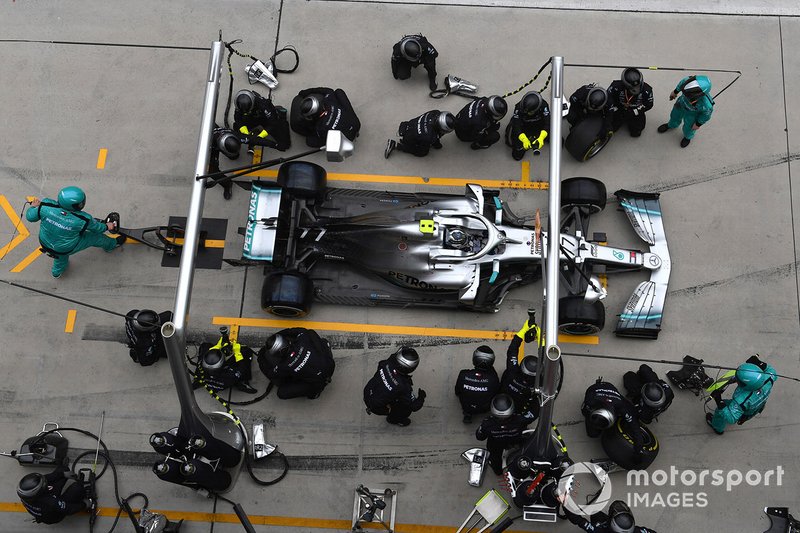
(66, 229)
(754, 381)
(694, 107)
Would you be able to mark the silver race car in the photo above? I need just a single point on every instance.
(363, 247)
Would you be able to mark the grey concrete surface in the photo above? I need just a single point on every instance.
(728, 202)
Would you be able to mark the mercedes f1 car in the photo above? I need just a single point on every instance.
(363, 247)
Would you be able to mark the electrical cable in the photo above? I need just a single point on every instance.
(533, 79)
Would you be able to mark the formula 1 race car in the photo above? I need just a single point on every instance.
(363, 247)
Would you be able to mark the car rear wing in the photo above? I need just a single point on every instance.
(261, 230)
(641, 316)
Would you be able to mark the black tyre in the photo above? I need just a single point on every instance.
(618, 445)
(584, 192)
(287, 294)
(302, 179)
(576, 317)
(587, 139)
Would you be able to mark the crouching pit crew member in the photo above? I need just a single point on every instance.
(603, 405)
(51, 498)
(298, 361)
(475, 387)
(501, 430)
(224, 365)
(143, 329)
(390, 392)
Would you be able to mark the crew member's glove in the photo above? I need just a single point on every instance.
(421, 395)
(673, 95)
(245, 130)
(263, 133)
(637, 110)
(528, 332)
(526, 143)
(432, 85)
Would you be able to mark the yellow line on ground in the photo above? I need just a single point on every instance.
(526, 171)
(22, 265)
(263, 520)
(23, 232)
(386, 329)
(101, 158)
(208, 243)
(69, 327)
(420, 180)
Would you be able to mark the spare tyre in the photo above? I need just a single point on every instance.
(287, 294)
(576, 317)
(587, 138)
(618, 445)
(303, 179)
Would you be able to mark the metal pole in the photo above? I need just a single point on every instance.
(175, 332)
(542, 437)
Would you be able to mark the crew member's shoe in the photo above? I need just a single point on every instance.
(121, 240)
(685, 142)
(709, 417)
(402, 423)
(227, 192)
(57, 275)
(467, 418)
(390, 146)
(662, 128)
(636, 134)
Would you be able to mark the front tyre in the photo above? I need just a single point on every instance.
(576, 317)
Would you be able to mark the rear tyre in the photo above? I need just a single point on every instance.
(303, 179)
(587, 139)
(287, 294)
(576, 317)
(618, 445)
(583, 192)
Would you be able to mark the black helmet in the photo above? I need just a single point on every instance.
(529, 365)
(620, 517)
(407, 359)
(310, 106)
(445, 122)
(276, 344)
(502, 406)
(632, 80)
(145, 321)
(483, 357)
(410, 48)
(530, 104)
(31, 485)
(653, 395)
(596, 99)
(245, 101)
(228, 143)
(601, 418)
(497, 107)
(213, 361)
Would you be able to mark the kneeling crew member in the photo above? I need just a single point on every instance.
(603, 405)
(66, 229)
(501, 430)
(519, 379)
(256, 116)
(224, 365)
(754, 380)
(650, 395)
(419, 135)
(632, 98)
(410, 52)
(528, 126)
(475, 387)
(316, 111)
(618, 520)
(52, 497)
(591, 100)
(143, 329)
(478, 122)
(390, 391)
(299, 361)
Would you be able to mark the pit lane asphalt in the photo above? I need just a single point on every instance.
(728, 202)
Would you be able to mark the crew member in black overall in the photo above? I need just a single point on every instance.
(519, 379)
(143, 329)
(631, 97)
(475, 387)
(531, 117)
(256, 116)
(317, 110)
(478, 122)
(390, 391)
(298, 361)
(603, 405)
(410, 52)
(501, 430)
(52, 497)
(420, 134)
(591, 100)
(618, 520)
(228, 142)
(650, 394)
(224, 365)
